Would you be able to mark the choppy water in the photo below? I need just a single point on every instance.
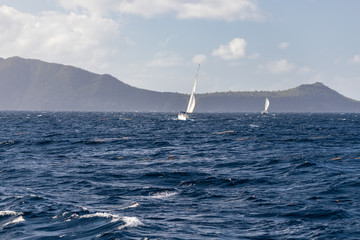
(148, 176)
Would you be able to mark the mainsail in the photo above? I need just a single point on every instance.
(267, 103)
(192, 101)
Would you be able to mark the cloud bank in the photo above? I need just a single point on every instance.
(228, 10)
(87, 34)
(54, 36)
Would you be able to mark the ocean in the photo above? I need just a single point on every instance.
(82, 175)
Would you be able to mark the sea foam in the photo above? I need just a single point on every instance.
(12, 213)
(114, 217)
(16, 220)
(130, 222)
(9, 213)
(164, 194)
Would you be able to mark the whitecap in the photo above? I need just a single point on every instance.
(35, 196)
(164, 194)
(114, 217)
(64, 213)
(9, 142)
(129, 205)
(130, 222)
(9, 213)
(16, 220)
(74, 215)
(133, 205)
(254, 125)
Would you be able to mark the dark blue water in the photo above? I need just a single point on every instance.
(148, 176)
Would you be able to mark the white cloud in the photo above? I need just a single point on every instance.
(280, 66)
(200, 58)
(355, 59)
(75, 38)
(283, 45)
(89, 7)
(165, 59)
(234, 50)
(228, 10)
(304, 70)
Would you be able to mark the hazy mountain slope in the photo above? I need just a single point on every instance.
(304, 98)
(35, 85)
(27, 84)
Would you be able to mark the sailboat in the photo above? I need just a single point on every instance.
(267, 104)
(191, 104)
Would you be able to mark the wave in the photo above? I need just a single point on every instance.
(129, 205)
(130, 222)
(114, 217)
(19, 218)
(295, 176)
(9, 142)
(16, 220)
(164, 194)
(133, 205)
(9, 213)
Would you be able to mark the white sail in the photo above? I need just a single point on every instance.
(192, 101)
(191, 104)
(267, 104)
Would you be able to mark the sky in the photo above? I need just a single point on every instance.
(242, 45)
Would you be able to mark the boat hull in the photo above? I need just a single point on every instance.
(182, 116)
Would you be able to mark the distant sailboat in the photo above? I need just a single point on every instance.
(191, 104)
(267, 104)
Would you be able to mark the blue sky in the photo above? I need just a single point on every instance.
(156, 44)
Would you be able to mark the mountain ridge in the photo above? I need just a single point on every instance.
(30, 84)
